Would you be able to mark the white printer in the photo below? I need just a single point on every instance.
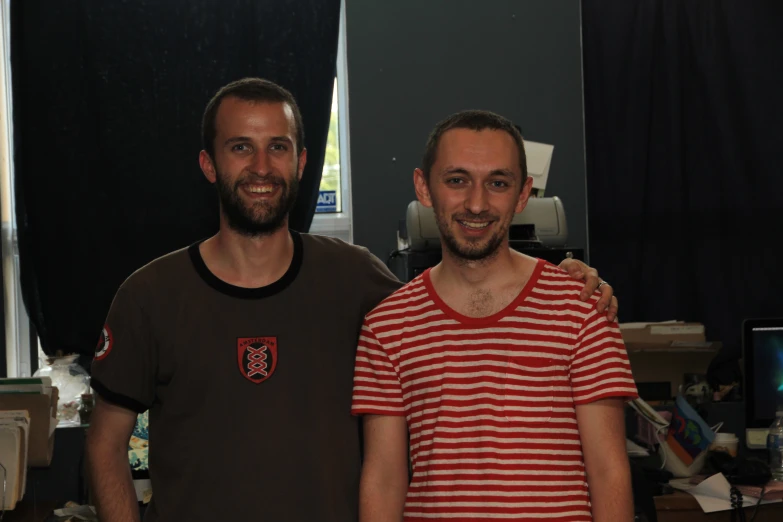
(542, 222)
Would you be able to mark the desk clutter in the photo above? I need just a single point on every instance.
(28, 418)
(697, 459)
(715, 493)
(708, 425)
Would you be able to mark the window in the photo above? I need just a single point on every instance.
(330, 179)
(17, 323)
(333, 214)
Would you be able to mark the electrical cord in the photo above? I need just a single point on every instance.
(641, 411)
(5, 485)
(660, 444)
(660, 423)
(737, 505)
(756, 511)
(737, 513)
(393, 254)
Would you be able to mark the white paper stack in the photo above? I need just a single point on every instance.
(14, 441)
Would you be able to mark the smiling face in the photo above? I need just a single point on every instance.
(255, 167)
(475, 187)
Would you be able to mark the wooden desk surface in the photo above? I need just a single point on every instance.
(682, 507)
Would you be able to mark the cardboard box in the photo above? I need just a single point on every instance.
(666, 363)
(664, 333)
(665, 352)
(43, 417)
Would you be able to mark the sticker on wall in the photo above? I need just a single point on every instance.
(327, 201)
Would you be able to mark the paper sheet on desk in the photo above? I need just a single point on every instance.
(714, 493)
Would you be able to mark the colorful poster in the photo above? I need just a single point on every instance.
(688, 434)
(139, 443)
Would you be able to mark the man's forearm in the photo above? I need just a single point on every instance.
(381, 499)
(112, 485)
(611, 495)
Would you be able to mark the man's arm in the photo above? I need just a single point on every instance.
(107, 459)
(602, 430)
(384, 481)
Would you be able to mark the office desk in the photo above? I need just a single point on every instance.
(681, 507)
(27, 511)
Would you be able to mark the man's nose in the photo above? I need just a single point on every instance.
(477, 200)
(261, 164)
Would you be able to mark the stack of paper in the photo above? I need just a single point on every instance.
(29, 385)
(539, 158)
(14, 441)
(38, 398)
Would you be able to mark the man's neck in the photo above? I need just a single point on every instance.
(481, 288)
(459, 272)
(248, 262)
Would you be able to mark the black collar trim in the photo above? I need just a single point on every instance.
(249, 293)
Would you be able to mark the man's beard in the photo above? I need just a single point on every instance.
(261, 218)
(469, 250)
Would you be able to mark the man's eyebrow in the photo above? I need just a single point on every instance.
(242, 139)
(237, 139)
(455, 170)
(461, 170)
(502, 172)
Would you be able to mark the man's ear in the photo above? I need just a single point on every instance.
(207, 166)
(422, 188)
(302, 162)
(524, 195)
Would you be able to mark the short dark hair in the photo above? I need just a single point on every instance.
(477, 121)
(253, 90)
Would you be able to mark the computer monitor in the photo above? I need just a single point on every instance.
(762, 351)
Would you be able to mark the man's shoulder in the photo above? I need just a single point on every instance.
(331, 246)
(554, 274)
(411, 294)
(160, 269)
(556, 285)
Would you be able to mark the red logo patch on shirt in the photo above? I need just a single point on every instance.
(105, 342)
(257, 357)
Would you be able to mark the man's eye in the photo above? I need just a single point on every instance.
(498, 184)
(278, 147)
(454, 181)
(240, 147)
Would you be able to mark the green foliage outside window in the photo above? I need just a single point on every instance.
(330, 178)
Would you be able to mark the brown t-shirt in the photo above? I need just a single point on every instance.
(249, 390)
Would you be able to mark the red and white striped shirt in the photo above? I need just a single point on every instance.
(490, 402)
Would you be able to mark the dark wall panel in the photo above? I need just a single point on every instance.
(412, 63)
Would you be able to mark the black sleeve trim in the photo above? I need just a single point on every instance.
(118, 398)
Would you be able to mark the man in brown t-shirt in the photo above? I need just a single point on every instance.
(241, 346)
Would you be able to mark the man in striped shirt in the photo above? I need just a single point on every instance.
(506, 389)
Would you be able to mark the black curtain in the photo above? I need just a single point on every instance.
(108, 98)
(684, 123)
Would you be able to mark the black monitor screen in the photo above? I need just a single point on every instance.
(763, 346)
